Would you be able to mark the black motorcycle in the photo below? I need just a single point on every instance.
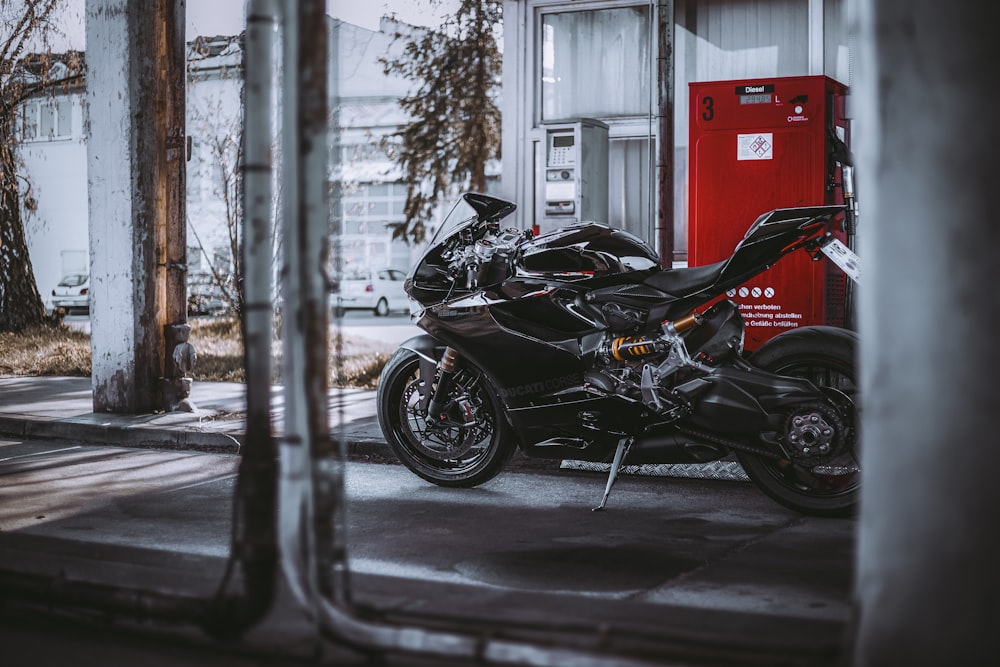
(577, 345)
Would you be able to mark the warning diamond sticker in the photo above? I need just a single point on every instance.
(757, 146)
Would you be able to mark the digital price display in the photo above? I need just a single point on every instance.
(755, 94)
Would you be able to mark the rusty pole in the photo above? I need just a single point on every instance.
(179, 355)
(254, 553)
(665, 150)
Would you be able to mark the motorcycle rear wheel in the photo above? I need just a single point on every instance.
(446, 456)
(827, 356)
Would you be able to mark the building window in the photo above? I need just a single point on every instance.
(836, 42)
(596, 63)
(629, 188)
(193, 259)
(718, 40)
(44, 120)
(361, 153)
(366, 210)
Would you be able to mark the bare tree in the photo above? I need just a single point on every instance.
(25, 25)
(220, 131)
(222, 157)
(455, 127)
(217, 124)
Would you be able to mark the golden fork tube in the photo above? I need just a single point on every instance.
(449, 362)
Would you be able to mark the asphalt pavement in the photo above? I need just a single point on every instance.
(723, 565)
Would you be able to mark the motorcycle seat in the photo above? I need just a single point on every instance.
(686, 281)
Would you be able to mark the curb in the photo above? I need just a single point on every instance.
(142, 437)
(153, 437)
(84, 431)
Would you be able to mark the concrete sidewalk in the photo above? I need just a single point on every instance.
(61, 408)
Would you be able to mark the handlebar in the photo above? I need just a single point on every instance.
(469, 260)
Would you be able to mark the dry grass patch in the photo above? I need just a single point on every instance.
(357, 363)
(48, 349)
(56, 349)
(219, 345)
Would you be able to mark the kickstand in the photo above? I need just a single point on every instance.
(623, 446)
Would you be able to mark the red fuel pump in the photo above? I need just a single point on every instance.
(757, 145)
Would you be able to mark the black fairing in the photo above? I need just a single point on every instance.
(489, 208)
(719, 339)
(585, 251)
(737, 401)
(773, 235)
(515, 353)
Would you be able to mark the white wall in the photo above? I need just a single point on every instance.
(57, 229)
(213, 116)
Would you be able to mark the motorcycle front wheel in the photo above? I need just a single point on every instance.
(446, 455)
(826, 356)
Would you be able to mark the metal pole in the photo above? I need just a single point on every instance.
(926, 583)
(254, 547)
(313, 534)
(313, 126)
(296, 540)
(665, 158)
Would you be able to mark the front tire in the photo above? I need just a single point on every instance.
(447, 456)
(827, 356)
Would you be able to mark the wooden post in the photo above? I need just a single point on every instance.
(136, 163)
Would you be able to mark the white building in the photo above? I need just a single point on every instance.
(54, 196)
(364, 107)
(364, 103)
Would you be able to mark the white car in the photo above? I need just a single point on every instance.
(73, 291)
(378, 291)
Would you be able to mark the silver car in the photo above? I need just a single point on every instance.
(378, 291)
(73, 291)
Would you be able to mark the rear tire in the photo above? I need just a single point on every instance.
(828, 357)
(453, 457)
(381, 308)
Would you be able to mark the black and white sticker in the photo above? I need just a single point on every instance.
(756, 146)
(845, 258)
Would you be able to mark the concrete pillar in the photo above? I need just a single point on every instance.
(136, 158)
(928, 581)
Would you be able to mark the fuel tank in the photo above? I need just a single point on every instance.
(583, 252)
